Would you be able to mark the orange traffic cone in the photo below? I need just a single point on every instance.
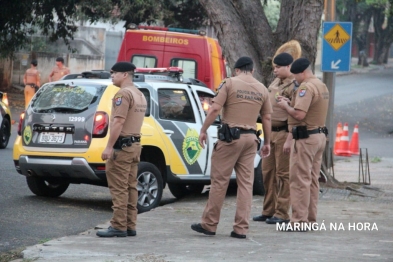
(343, 146)
(354, 145)
(338, 136)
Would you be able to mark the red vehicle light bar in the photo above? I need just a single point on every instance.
(160, 70)
(171, 29)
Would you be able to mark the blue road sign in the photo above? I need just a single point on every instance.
(336, 46)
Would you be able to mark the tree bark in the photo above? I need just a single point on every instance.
(243, 30)
(383, 36)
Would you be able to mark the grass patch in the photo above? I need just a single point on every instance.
(376, 159)
(42, 241)
(11, 255)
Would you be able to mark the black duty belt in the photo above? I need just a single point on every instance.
(279, 128)
(317, 131)
(247, 131)
(126, 141)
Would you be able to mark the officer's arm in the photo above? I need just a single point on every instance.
(115, 129)
(295, 113)
(212, 114)
(267, 128)
(25, 78)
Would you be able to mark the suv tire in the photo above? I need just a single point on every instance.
(45, 188)
(150, 187)
(258, 188)
(4, 133)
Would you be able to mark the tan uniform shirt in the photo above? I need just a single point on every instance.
(243, 99)
(58, 73)
(280, 88)
(129, 103)
(32, 76)
(312, 97)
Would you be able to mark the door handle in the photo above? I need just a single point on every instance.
(168, 132)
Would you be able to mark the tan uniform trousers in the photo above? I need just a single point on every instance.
(239, 155)
(121, 173)
(275, 172)
(29, 93)
(305, 164)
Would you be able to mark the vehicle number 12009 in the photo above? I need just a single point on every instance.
(76, 119)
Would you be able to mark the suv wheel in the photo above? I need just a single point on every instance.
(258, 188)
(4, 133)
(150, 187)
(47, 188)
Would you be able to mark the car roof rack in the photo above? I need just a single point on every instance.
(169, 74)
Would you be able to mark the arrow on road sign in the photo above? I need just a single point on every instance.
(334, 65)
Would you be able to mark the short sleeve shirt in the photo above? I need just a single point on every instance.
(129, 103)
(243, 98)
(312, 97)
(280, 88)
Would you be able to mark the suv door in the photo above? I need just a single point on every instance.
(180, 119)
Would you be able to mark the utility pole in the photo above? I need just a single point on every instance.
(329, 78)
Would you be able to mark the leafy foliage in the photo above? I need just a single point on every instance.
(55, 19)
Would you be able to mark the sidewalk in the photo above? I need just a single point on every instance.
(358, 227)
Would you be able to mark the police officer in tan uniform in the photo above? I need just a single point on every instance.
(123, 151)
(32, 80)
(59, 70)
(307, 115)
(242, 99)
(275, 168)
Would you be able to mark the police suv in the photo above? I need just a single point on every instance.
(64, 130)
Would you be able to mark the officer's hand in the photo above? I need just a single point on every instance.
(106, 154)
(287, 147)
(280, 98)
(265, 152)
(202, 139)
(283, 103)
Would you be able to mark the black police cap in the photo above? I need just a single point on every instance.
(243, 61)
(283, 59)
(123, 67)
(34, 62)
(299, 65)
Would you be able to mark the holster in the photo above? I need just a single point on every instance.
(224, 133)
(299, 132)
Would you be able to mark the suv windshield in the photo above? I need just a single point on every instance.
(66, 97)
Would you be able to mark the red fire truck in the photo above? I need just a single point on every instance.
(199, 56)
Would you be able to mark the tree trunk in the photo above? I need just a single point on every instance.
(383, 36)
(243, 30)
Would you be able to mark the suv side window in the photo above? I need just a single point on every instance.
(146, 93)
(174, 104)
(188, 66)
(144, 61)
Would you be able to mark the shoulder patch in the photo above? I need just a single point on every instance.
(302, 91)
(118, 99)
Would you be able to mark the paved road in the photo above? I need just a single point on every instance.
(366, 100)
(26, 219)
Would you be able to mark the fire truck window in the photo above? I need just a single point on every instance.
(188, 66)
(175, 105)
(144, 61)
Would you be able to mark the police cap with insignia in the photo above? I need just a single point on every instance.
(283, 59)
(299, 65)
(123, 67)
(243, 61)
